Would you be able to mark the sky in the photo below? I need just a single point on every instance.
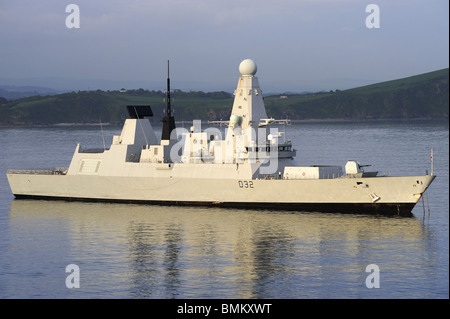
(298, 45)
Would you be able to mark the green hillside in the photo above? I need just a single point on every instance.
(109, 107)
(421, 96)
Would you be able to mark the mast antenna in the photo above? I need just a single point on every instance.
(169, 111)
(168, 120)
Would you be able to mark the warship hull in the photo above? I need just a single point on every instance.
(380, 195)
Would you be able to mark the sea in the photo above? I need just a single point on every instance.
(80, 250)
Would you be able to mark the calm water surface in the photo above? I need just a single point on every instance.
(140, 251)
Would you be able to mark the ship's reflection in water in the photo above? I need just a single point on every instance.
(140, 251)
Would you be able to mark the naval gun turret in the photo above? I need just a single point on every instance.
(355, 169)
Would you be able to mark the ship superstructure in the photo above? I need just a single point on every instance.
(250, 165)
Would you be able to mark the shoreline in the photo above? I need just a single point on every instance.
(330, 120)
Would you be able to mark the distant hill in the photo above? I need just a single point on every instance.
(11, 92)
(421, 96)
(90, 107)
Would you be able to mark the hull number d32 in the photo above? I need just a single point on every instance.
(245, 184)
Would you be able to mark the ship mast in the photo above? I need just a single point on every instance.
(169, 111)
(168, 120)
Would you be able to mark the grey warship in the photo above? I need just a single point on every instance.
(250, 165)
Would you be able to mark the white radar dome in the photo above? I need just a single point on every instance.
(247, 67)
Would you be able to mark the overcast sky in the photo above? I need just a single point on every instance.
(297, 44)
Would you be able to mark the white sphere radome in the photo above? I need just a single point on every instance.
(247, 67)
